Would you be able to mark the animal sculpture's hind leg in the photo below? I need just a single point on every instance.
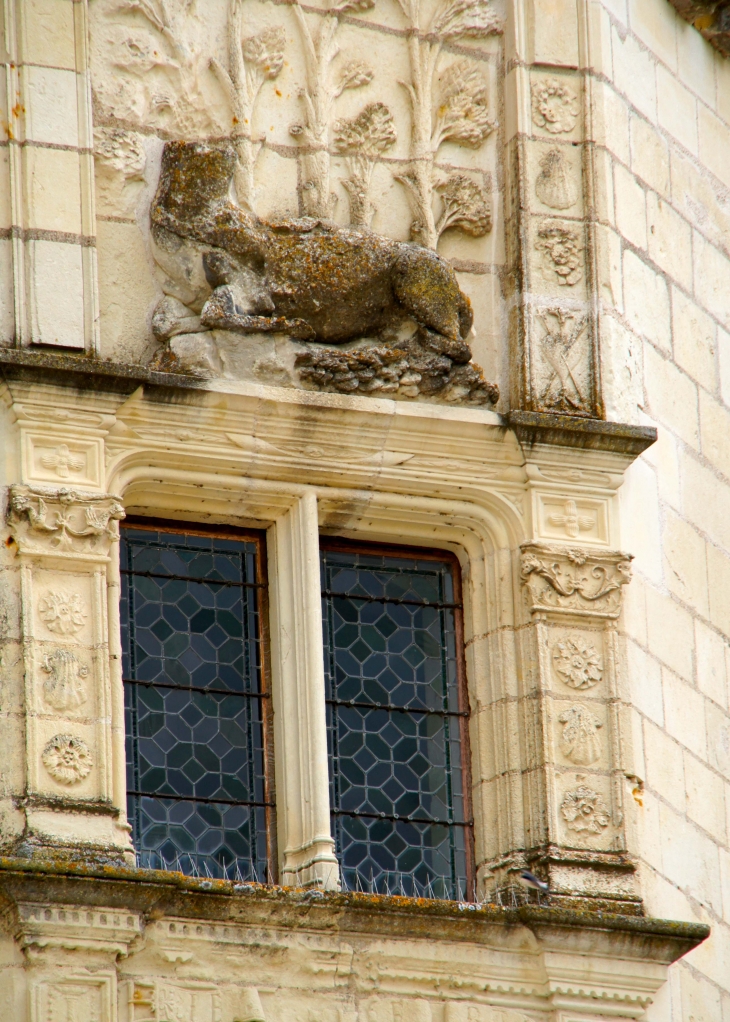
(223, 311)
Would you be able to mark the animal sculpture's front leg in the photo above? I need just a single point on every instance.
(225, 311)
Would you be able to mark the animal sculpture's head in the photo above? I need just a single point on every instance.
(194, 176)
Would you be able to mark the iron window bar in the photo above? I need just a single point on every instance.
(390, 708)
(191, 578)
(404, 819)
(202, 691)
(198, 798)
(391, 599)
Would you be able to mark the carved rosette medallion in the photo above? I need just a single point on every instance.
(555, 105)
(580, 741)
(585, 811)
(575, 581)
(63, 521)
(62, 613)
(63, 689)
(67, 759)
(577, 662)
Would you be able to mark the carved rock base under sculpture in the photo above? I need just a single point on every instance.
(403, 369)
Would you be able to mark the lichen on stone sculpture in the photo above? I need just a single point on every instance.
(227, 269)
(711, 18)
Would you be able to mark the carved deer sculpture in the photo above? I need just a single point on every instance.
(224, 268)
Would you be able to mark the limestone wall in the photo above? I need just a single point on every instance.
(663, 101)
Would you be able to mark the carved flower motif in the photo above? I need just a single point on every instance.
(266, 51)
(562, 250)
(465, 205)
(67, 759)
(62, 613)
(578, 662)
(463, 111)
(370, 133)
(554, 106)
(585, 811)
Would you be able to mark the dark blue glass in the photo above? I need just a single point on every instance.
(395, 723)
(196, 761)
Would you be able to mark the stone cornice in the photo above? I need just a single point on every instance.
(548, 958)
(574, 431)
(153, 894)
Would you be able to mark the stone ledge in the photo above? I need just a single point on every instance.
(154, 894)
(573, 431)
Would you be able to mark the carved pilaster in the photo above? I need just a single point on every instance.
(550, 228)
(64, 540)
(574, 777)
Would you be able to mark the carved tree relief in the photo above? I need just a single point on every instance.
(324, 84)
(251, 61)
(449, 106)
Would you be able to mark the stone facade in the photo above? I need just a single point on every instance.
(448, 274)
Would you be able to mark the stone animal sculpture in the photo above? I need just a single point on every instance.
(227, 269)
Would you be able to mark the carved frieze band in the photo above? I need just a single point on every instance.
(62, 522)
(72, 926)
(569, 580)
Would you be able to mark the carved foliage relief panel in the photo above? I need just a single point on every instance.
(574, 597)
(377, 115)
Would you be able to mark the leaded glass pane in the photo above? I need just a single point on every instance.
(395, 723)
(196, 761)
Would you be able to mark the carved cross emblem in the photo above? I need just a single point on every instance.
(572, 522)
(63, 461)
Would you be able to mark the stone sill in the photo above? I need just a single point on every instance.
(531, 428)
(155, 893)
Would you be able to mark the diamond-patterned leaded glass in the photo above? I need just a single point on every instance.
(195, 702)
(396, 723)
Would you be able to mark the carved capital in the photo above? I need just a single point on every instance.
(569, 580)
(63, 522)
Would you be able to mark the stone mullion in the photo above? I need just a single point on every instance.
(298, 690)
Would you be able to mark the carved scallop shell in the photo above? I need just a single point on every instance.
(580, 741)
(554, 185)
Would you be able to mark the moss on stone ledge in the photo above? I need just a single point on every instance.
(155, 893)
